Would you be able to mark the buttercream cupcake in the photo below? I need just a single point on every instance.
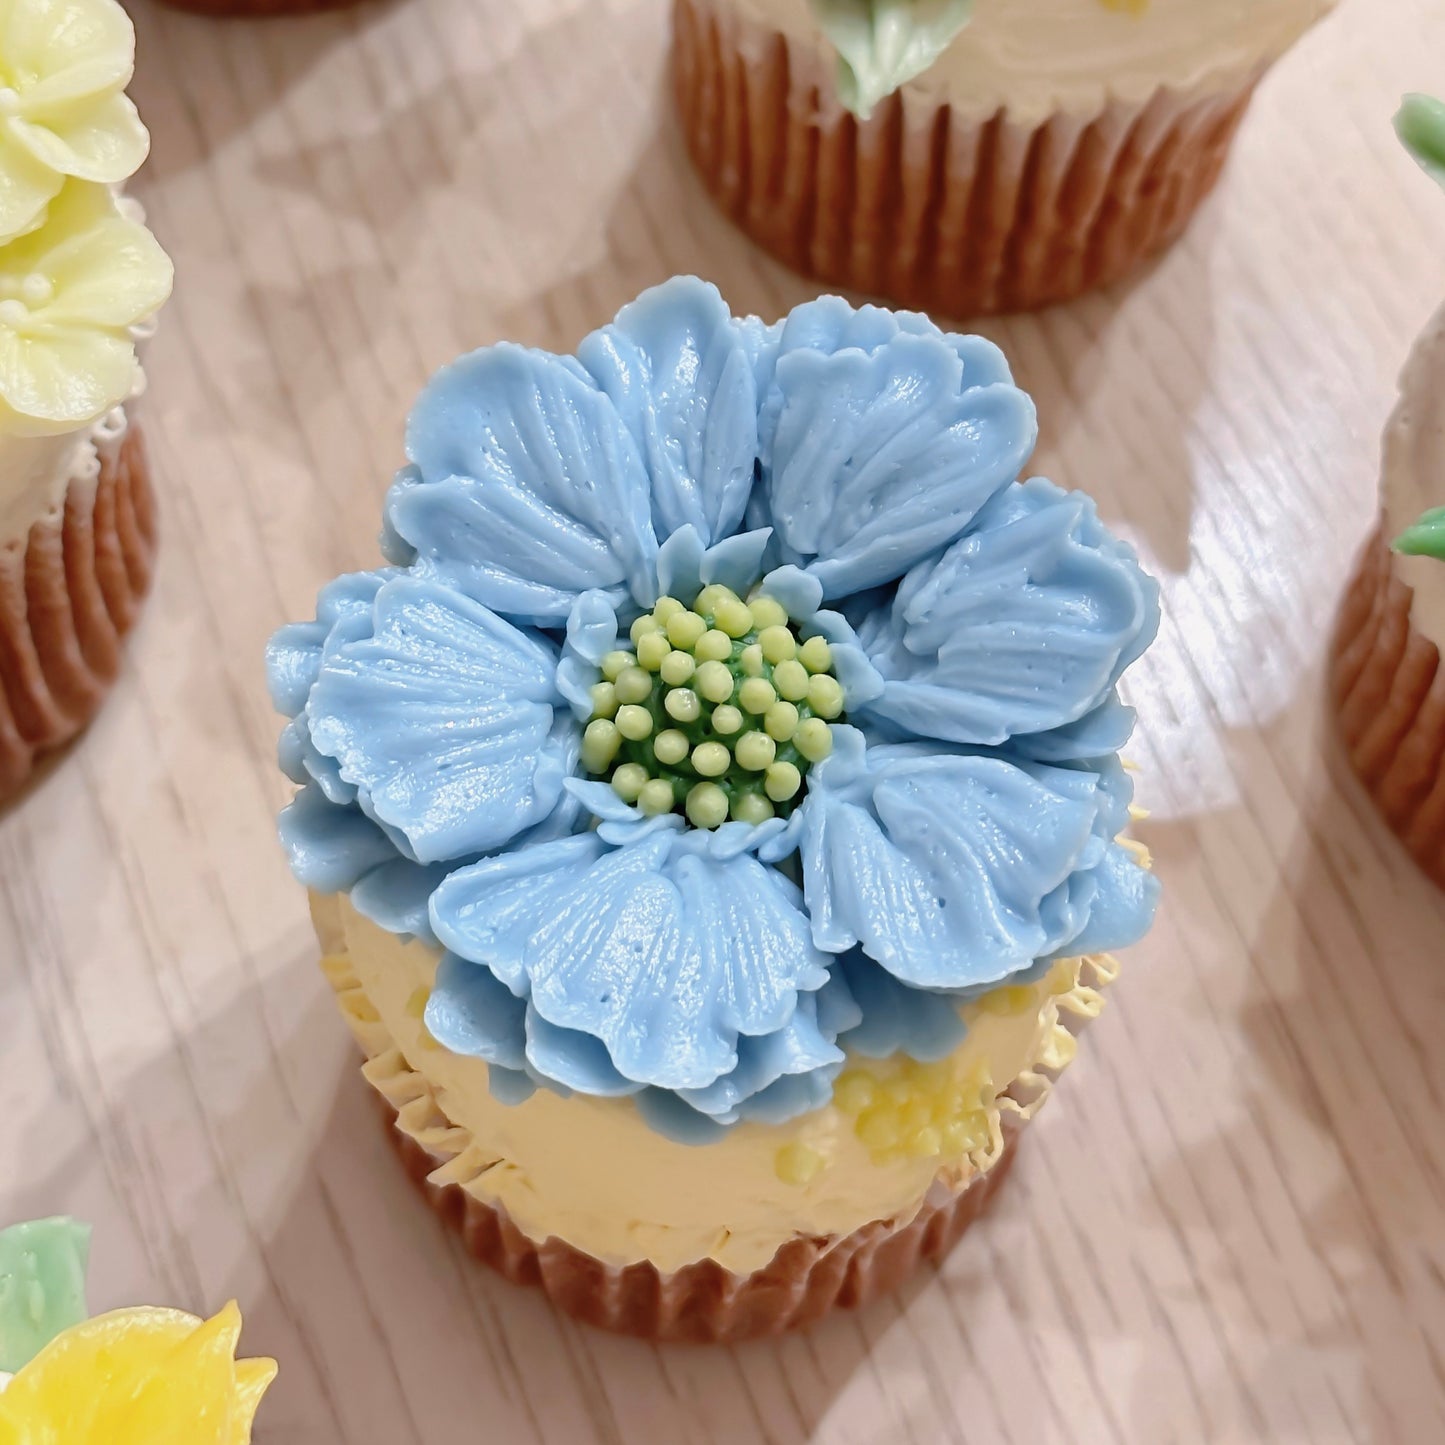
(970, 158)
(79, 273)
(712, 809)
(1388, 682)
(130, 1377)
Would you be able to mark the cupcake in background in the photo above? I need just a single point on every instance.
(130, 1377)
(970, 156)
(712, 811)
(79, 276)
(1387, 679)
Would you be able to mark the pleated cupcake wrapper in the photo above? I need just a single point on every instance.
(925, 206)
(69, 592)
(1389, 689)
(703, 1302)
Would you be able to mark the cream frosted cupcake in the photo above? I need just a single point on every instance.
(711, 813)
(969, 158)
(79, 273)
(131, 1377)
(1388, 682)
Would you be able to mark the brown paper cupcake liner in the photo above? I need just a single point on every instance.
(923, 206)
(1389, 689)
(69, 592)
(703, 1302)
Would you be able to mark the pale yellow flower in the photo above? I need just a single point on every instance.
(138, 1377)
(70, 294)
(64, 66)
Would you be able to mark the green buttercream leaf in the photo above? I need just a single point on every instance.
(883, 43)
(1426, 538)
(1420, 124)
(42, 1286)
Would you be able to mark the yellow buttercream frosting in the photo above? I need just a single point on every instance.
(64, 67)
(137, 1377)
(71, 293)
(590, 1171)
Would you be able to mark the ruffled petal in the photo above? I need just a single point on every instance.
(533, 490)
(100, 139)
(1023, 626)
(898, 1019)
(293, 655)
(680, 378)
(446, 720)
(330, 848)
(26, 188)
(472, 1013)
(63, 379)
(72, 49)
(665, 956)
(878, 458)
(952, 869)
(114, 275)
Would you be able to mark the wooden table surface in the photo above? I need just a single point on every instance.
(1229, 1226)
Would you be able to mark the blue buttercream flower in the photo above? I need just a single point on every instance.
(728, 702)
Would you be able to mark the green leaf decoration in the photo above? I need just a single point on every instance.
(1426, 538)
(42, 1286)
(1420, 124)
(881, 44)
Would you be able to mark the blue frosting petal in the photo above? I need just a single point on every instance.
(533, 490)
(472, 1013)
(951, 868)
(1123, 908)
(330, 848)
(1024, 625)
(877, 458)
(898, 1019)
(665, 955)
(445, 721)
(681, 379)
(293, 655)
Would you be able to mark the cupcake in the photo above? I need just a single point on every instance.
(79, 273)
(131, 1377)
(969, 158)
(712, 810)
(1387, 680)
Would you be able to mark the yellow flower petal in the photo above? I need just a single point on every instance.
(113, 275)
(95, 140)
(26, 187)
(63, 379)
(47, 39)
(138, 1377)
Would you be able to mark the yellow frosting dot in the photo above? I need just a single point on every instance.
(653, 650)
(778, 644)
(644, 626)
(733, 617)
(767, 612)
(854, 1091)
(633, 685)
(616, 663)
(797, 1164)
(667, 608)
(816, 655)
(677, 668)
(714, 682)
(685, 629)
(790, 677)
(713, 646)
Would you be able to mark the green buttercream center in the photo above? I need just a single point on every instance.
(1426, 538)
(715, 711)
(42, 1286)
(882, 44)
(1420, 124)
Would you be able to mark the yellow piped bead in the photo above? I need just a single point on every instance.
(781, 721)
(854, 1091)
(713, 596)
(767, 612)
(670, 747)
(677, 668)
(683, 705)
(825, 696)
(751, 661)
(600, 743)
(727, 720)
(615, 663)
(778, 644)
(629, 781)
(634, 685)
(782, 782)
(667, 608)
(653, 650)
(814, 739)
(634, 723)
(656, 798)
(713, 646)
(604, 699)
(733, 617)
(711, 760)
(797, 1164)
(750, 808)
(755, 752)
(707, 806)
(685, 630)
(757, 695)
(714, 682)
(644, 626)
(816, 655)
(790, 678)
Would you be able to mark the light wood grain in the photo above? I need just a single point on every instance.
(1230, 1226)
